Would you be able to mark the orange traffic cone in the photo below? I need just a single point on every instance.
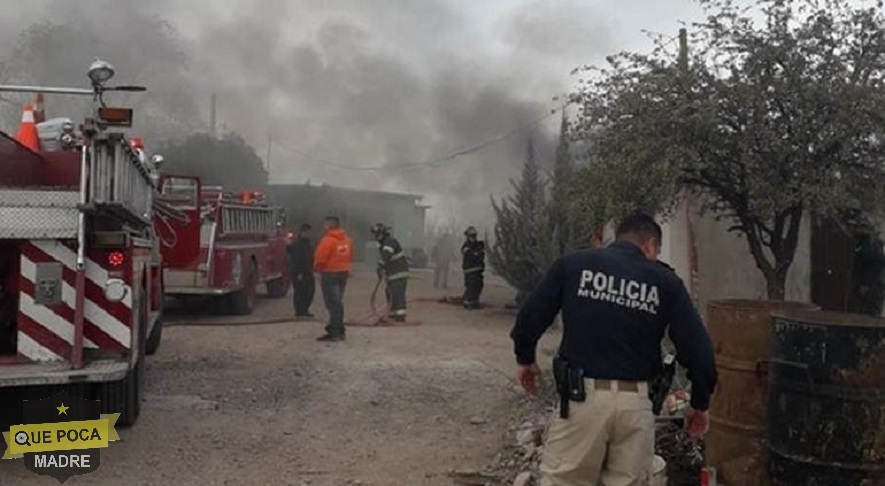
(27, 131)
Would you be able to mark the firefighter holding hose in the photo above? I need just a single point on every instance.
(394, 268)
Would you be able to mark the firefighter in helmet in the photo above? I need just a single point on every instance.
(473, 262)
(393, 266)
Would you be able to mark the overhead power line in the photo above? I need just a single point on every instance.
(429, 163)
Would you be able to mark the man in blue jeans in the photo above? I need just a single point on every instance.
(333, 260)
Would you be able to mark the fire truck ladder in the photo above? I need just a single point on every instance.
(245, 219)
(237, 219)
(118, 182)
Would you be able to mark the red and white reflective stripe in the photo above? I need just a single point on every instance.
(94, 272)
(33, 349)
(95, 315)
(48, 319)
(48, 333)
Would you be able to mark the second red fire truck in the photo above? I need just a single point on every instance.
(222, 244)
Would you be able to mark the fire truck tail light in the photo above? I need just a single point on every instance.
(116, 259)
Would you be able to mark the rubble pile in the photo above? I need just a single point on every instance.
(684, 456)
(516, 464)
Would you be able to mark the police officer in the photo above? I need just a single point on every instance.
(473, 253)
(393, 265)
(616, 304)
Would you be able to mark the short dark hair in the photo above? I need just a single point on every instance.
(305, 227)
(334, 220)
(641, 225)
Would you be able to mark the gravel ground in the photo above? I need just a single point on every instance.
(266, 404)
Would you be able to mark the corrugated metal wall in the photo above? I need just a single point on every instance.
(357, 209)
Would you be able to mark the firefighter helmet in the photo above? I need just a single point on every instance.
(379, 230)
(470, 231)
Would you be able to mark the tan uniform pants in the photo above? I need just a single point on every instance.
(607, 439)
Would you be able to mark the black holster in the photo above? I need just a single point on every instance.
(660, 385)
(569, 384)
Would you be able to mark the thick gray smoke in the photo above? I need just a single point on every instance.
(337, 82)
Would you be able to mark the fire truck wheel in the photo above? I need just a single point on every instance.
(242, 302)
(277, 289)
(124, 396)
(156, 335)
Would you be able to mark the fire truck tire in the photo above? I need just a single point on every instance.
(124, 396)
(81, 390)
(242, 302)
(278, 288)
(156, 335)
(153, 340)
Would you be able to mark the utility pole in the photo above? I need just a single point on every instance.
(689, 202)
(684, 69)
(269, 151)
(212, 106)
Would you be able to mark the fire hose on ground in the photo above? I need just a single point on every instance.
(375, 318)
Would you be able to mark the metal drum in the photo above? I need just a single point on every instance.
(740, 331)
(827, 400)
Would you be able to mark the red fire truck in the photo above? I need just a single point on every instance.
(80, 268)
(217, 243)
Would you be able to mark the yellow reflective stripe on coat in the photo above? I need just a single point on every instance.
(397, 276)
(388, 249)
(473, 270)
(398, 256)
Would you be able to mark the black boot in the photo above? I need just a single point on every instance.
(330, 338)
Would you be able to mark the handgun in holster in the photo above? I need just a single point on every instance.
(660, 385)
(569, 384)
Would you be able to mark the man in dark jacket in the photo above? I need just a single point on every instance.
(301, 266)
(473, 262)
(394, 267)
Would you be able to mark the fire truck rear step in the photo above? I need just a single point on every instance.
(38, 214)
(60, 373)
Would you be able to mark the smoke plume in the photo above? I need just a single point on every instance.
(332, 84)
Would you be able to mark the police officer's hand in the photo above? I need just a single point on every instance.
(697, 422)
(530, 378)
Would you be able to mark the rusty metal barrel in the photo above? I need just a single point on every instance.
(741, 335)
(827, 399)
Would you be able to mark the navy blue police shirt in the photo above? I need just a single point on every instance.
(616, 305)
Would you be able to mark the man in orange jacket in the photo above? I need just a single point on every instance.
(333, 260)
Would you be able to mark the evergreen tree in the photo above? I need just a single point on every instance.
(562, 228)
(523, 244)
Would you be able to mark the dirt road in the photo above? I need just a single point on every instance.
(266, 404)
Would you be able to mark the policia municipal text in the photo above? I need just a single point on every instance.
(616, 304)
